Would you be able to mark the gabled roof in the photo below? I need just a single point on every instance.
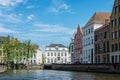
(99, 17)
(55, 45)
(79, 29)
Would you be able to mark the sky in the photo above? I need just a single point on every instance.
(47, 21)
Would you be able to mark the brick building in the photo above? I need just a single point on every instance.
(102, 44)
(78, 45)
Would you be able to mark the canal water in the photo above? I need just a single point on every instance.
(55, 75)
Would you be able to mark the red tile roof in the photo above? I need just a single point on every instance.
(99, 17)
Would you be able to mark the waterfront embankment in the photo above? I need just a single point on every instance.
(105, 68)
(34, 67)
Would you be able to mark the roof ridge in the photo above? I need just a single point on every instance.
(99, 17)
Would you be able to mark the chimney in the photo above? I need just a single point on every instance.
(107, 21)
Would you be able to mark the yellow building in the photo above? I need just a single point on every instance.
(115, 33)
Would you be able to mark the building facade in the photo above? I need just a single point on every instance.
(72, 49)
(115, 33)
(78, 45)
(102, 53)
(96, 21)
(37, 59)
(57, 53)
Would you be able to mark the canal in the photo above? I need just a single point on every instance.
(55, 75)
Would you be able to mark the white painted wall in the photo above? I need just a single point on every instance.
(52, 55)
(88, 42)
(37, 58)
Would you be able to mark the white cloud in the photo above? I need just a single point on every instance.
(7, 3)
(10, 18)
(5, 30)
(30, 17)
(53, 28)
(13, 18)
(60, 7)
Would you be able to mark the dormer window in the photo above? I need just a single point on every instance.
(56, 48)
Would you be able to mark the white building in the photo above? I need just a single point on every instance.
(37, 58)
(57, 53)
(96, 21)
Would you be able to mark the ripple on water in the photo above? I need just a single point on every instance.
(55, 75)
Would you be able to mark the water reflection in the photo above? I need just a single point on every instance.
(55, 75)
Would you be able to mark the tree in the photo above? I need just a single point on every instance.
(30, 49)
(15, 51)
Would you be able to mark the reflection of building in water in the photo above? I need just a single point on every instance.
(57, 53)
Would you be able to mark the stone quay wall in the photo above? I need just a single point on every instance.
(107, 68)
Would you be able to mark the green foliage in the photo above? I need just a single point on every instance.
(15, 51)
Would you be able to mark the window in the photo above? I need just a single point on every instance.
(55, 61)
(48, 61)
(89, 41)
(51, 60)
(86, 32)
(105, 34)
(108, 58)
(98, 59)
(86, 41)
(55, 54)
(51, 54)
(95, 37)
(119, 46)
(103, 47)
(116, 59)
(112, 47)
(119, 21)
(95, 59)
(95, 48)
(119, 33)
(58, 54)
(65, 60)
(65, 54)
(116, 10)
(119, 58)
(115, 22)
(89, 31)
(62, 61)
(108, 46)
(72, 49)
(116, 47)
(112, 23)
(48, 54)
(112, 57)
(92, 41)
(119, 8)
(113, 35)
(98, 48)
(61, 54)
(92, 55)
(58, 58)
